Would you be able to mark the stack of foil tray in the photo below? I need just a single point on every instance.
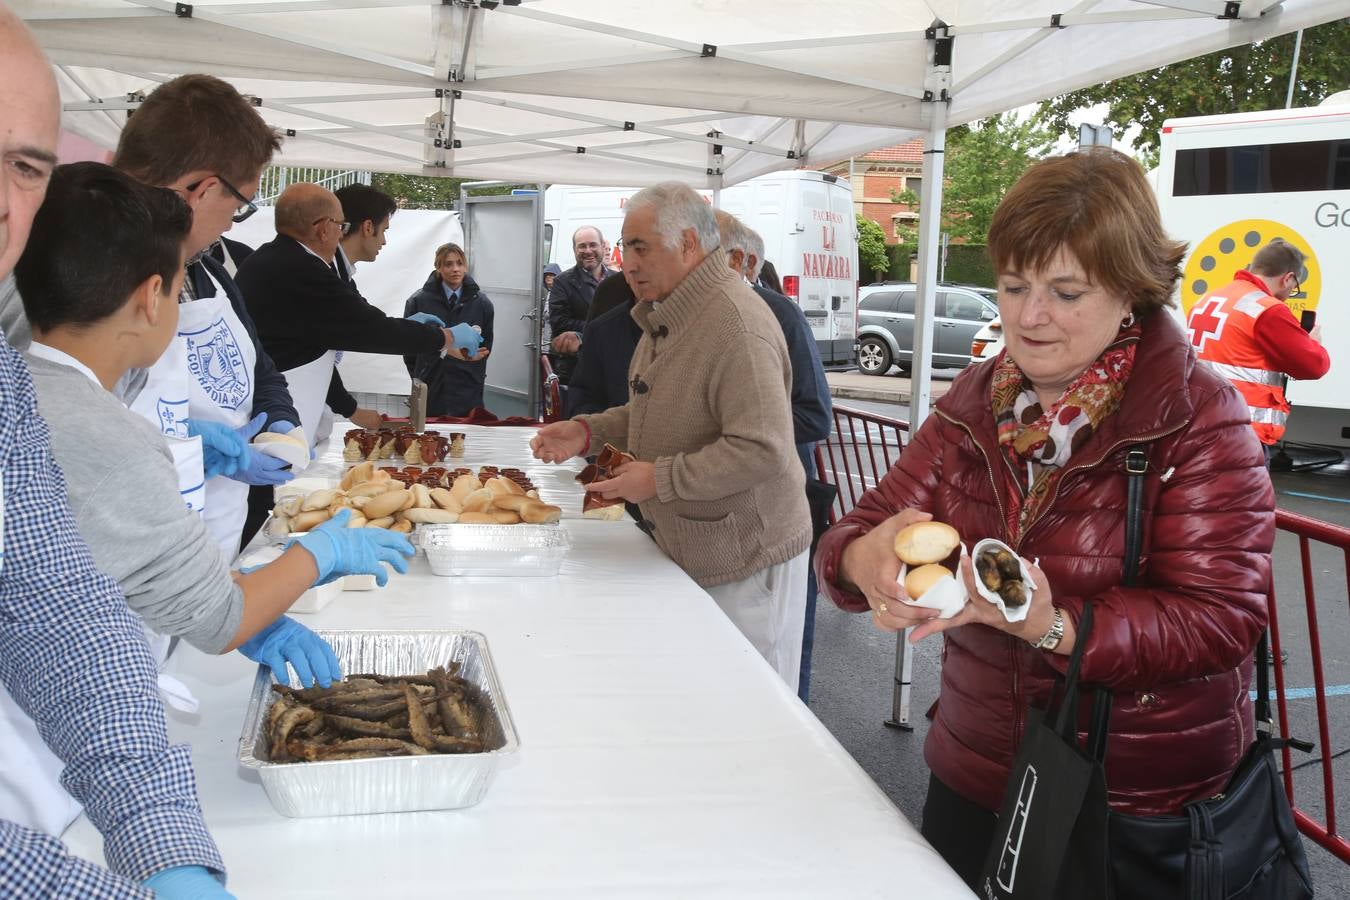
(392, 784)
(494, 550)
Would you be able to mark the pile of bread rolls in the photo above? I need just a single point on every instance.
(921, 547)
(379, 501)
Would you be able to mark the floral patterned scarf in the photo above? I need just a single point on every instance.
(1037, 442)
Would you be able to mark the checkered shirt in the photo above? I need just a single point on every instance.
(74, 657)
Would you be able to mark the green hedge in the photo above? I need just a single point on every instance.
(966, 264)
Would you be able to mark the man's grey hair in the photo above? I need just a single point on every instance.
(679, 207)
(755, 247)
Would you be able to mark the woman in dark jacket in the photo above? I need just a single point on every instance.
(454, 386)
(1029, 448)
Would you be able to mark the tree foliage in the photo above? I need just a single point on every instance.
(871, 245)
(983, 160)
(1246, 78)
(426, 192)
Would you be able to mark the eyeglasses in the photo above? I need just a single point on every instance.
(343, 227)
(1298, 285)
(246, 206)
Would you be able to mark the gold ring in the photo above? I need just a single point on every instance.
(881, 608)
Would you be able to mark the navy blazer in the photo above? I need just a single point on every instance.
(600, 380)
(454, 386)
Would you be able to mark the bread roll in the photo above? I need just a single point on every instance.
(421, 496)
(356, 521)
(319, 499)
(512, 502)
(926, 542)
(308, 519)
(606, 513)
(499, 485)
(479, 500)
(476, 518)
(431, 516)
(287, 506)
(403, 527)
(369, 488)
(445, 500)
(383, 522)
(920, 579)
(463, 486)
(536, 513)
(357, 474)
(386, 504)
(505, 516)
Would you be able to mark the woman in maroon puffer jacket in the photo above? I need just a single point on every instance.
(1029, 448)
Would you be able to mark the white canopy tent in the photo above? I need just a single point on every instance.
(629, 92)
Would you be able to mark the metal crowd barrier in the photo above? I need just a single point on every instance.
(1308, 530)
(864, 446)
(856, 455)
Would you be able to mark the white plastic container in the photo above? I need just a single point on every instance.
(494, 550)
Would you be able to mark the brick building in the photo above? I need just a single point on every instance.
(875, 175)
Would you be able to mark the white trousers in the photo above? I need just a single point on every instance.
(769, 607)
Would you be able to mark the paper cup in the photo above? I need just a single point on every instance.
(1017, 613)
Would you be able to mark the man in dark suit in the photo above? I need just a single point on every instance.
(600, 380)
(303, 308)
(368, 213)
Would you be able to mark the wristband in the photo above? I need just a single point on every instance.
(589, 438)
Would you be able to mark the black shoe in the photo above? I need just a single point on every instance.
(1284, 659)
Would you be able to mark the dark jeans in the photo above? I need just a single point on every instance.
(959, 830)
(808, 636)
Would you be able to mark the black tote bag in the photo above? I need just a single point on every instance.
(1051, 835)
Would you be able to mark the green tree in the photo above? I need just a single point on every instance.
(1240, 79)
(983, 160)
(426, 192)
(871, 246)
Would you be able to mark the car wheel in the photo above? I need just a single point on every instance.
(874, 357)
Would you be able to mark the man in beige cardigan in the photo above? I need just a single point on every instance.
(708, 418)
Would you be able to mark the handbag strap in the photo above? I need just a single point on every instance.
(1136, 467)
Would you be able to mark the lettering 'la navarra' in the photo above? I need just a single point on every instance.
(824, 265)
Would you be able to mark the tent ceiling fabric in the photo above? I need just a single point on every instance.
(639, 84)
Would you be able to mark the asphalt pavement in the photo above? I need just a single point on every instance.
(853, 664)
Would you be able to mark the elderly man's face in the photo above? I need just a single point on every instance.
(29, 123)
(329, 231)
(654, 270)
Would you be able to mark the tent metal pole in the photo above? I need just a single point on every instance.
(1293, 70)
(925, 304)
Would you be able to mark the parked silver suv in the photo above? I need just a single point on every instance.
(886, 324)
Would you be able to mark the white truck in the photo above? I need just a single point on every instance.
(806, 220)
(1229, 184)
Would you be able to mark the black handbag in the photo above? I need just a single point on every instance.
(819, 497)
(1239, 845)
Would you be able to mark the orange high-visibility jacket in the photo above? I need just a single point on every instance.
(1223, 331)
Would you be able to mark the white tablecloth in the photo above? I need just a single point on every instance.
(660, 756)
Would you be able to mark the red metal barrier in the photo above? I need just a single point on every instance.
(849, 458)
(1307, 530)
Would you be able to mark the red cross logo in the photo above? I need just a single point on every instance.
(1207, 321)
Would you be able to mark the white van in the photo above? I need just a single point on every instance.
(806, 220)
(1228, 185)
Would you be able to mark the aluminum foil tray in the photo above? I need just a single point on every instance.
(494, 550)
(395, 784)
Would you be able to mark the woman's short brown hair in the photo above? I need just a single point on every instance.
(195, 123)
(445, 250)
(1098, 204)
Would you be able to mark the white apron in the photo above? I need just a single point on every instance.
(163, 401)
(308, 385)
(212, 363)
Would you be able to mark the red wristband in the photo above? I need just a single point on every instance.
(589, 439)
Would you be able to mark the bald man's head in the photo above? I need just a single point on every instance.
(30, 121)
(312, 215)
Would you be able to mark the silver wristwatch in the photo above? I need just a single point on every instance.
(1050, 640)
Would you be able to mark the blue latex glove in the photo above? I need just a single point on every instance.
(339, 550)
(187, 883)
(281, 426)
(466, 338)
(223, 449)
(261, 468)
(427, 319)
(287, 641)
